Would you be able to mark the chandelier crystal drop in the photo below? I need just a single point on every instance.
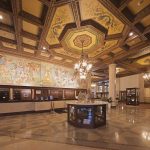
(83, 67)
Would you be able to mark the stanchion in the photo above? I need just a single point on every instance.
(52, 105)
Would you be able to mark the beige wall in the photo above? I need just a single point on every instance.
(134, 81)
(147, 95)
(128, 82)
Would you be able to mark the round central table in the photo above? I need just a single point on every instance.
(86, 115)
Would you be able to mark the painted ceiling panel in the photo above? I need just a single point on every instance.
(144, 61)
(63, 15)
(96, 11)
(33, 7)
(28, 27)
(29, 41)
(8, 45)
(146, 21)
(7, 35)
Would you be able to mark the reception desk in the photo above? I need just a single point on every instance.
(32, 106)
(86, 115)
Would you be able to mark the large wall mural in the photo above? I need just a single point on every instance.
(20, 71)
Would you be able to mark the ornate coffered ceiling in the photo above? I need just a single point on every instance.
(60, 25)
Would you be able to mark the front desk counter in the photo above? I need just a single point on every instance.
(87, 115)
(30, 106)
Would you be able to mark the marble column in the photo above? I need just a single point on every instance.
(141, 87)
(112, 83)
(89, 83)
(11, 94)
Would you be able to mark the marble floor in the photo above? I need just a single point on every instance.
(128, 128)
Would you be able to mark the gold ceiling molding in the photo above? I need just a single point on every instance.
(62, 16)
(92, 37)
(95, 10)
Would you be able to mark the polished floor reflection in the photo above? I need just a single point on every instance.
(128, 128)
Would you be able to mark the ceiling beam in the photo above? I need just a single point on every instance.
(123, 4)
(29, 36)
(7, 28)
(99, 74)
(105, 52)
(117, 36)
(143, 13)
(45, 2)
(125, 34)
(16, 7)
(132, 51)
(130, 67)
(30, 19)
(55, 46)
(46, 26)
(111, 54)
(5, 6)
(139, 57)
(65, 56)
(76, 12)
(3, 39)
(113, 9)
(61, 2)
(11, 29)
(126, 74)
(147, 30)
(29, 46)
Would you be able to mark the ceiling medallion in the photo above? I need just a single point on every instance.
(87, 40)
(83, 67)
(90, 31)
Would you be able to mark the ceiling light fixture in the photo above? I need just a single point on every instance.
(44, 48)
(140, 2)
(1, 17)
(83, 67)
(117, 70)
(131, 34)
(93, 84)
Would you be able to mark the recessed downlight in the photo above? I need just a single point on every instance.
(1, 17)
(131, 34)
(44, 48)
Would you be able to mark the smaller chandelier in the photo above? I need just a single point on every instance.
(83, 67)
(146, 75)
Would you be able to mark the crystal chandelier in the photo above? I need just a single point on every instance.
(146, 75)
(83, 67)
